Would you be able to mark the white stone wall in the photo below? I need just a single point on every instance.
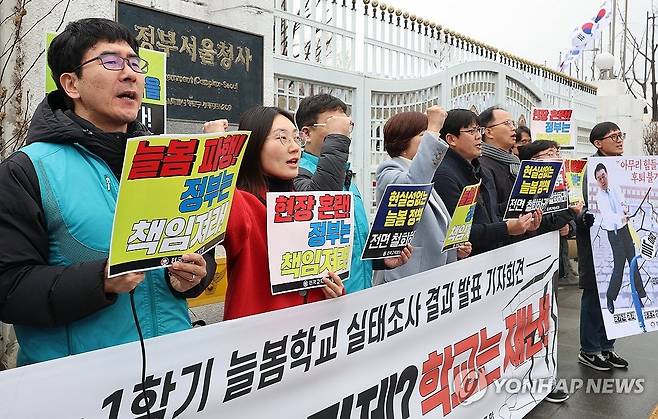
(615, 105)
(40, 16)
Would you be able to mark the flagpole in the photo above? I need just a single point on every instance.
(612, 31)
(623, 53)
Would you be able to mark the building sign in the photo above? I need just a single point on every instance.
(213, 72)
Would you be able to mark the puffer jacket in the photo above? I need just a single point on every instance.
(57, 201)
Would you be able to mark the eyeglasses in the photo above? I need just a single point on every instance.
(324, 125)
(473, 131)
(509, 123)
(286, 139)
(550, 153)
(616, 137)
(114, 62)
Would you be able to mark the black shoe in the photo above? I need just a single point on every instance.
(598, 361)
(557, 396)
(614, 359)
(611, 306)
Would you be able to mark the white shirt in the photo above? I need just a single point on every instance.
(613, 215)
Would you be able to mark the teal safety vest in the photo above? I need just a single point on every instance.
(78, 196)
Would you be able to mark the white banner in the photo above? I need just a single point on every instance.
(622, 197)
(472, 339)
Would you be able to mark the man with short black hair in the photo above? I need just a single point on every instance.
(57, 202)
(596, 350)
(499, 138)
(460, 168)
(323, 122)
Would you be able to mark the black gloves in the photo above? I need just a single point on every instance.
(588, 219)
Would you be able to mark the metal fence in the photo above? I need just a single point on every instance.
(381, 60)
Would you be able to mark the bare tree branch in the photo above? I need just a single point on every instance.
(41, 19)
(15, 97)
(3, 104)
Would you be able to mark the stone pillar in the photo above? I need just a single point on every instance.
(253, 16)
(615, 105)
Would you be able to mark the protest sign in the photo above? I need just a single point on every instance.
(398, 214)
(174, 198)
(308, 234)
(153, 112)
(623, 197)
(441, 343)
(533, 187)
(559, 199)
(459, 229)
(554, 124)
(574, 174)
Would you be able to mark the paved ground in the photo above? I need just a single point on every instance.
(640, 351)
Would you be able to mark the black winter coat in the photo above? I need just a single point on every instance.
(503, 180)
(586, 273)
(488, 231)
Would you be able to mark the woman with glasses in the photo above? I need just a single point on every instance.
(270, 163)
(412, 140)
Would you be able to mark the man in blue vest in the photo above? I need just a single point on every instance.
(323, 122)
(57, 201)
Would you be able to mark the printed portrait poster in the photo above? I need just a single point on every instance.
(559, 199)
(472, 339)
(574, 174)
(153, 113)
(533, 187)
(308, 234)
(397, 217)
(174, 198)
(554, 124)
(459, 229)
(623, 197)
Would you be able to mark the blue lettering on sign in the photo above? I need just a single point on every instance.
(152, 88)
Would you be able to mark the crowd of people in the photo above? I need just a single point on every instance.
(59, 193)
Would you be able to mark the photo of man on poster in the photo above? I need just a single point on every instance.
(614, 220)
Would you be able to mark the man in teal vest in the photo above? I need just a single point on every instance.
(57, 201)
(323, 122)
